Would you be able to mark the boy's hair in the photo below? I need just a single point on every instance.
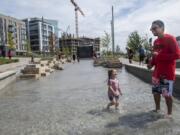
(159, 23)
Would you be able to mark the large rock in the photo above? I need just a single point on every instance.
(113, 64)
(99, 62)
(30, 71)
(69, 60)
(44, 62)
(51, 65)
(45, 74)
(110, 63)
(30, 76)
(58, 66)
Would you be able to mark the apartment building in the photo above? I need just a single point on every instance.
(17, 28)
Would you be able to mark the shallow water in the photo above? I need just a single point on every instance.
(73, 101)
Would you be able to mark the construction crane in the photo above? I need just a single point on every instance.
(77, 8)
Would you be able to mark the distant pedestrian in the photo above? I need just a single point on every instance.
(130, 54)
(114, 90)
(10, 54)
(165, 54)
(94, 55)
(78, 59)
(148, 57)
(74, 58)
(141, 55)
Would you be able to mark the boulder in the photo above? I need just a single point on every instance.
(58, 66)
(30, 76)
(113, 64)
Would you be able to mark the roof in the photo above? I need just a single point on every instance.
(13, 18)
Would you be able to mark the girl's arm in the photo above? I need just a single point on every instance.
(111, 89)
(119, 89)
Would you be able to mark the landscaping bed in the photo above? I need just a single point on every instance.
(8, 61)
(108, 62)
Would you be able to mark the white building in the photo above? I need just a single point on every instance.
(38, 32)
(17, 28)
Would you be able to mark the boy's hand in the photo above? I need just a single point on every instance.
(155, 53)
(149, 66)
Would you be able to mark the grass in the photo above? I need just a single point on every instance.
(7, 61)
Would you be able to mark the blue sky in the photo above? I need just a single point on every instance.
(130, 15)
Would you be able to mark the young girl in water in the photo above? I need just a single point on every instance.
(114, 90)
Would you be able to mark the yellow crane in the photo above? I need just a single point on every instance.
(77, 8)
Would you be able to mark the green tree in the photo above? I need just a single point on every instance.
(28, 47)
(134, 41)
(52, 42)
(105, 41)
(66, 51)
(146, 44)
(11, 44)
(118, 49)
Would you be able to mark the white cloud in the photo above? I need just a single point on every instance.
(130, 15)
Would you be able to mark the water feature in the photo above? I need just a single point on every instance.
(73, 101)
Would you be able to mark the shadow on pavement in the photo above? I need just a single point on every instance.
(139, 120)
(103, 111)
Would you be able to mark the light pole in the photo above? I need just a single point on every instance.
(112, 29)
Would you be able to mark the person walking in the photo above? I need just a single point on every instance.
(141, 55)
(165, 54)
(74, 58)
(9, 54)
(130, 54)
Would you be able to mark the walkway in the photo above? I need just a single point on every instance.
(14, 66)
(72, 102)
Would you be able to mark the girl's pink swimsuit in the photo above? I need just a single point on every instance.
(114, 83)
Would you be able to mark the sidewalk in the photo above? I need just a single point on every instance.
(14, 66)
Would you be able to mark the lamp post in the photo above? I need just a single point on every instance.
(112, 30)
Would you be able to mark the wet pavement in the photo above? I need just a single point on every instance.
(73, 101)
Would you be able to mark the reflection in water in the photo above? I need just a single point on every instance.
(72, 102)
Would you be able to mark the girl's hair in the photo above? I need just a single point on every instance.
(110, 74)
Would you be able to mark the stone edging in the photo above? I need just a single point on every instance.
(145, 75)
(6, 78)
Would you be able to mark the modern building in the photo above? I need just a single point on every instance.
(17, 29)
(39, 32)
(56, 30)
(84, 46)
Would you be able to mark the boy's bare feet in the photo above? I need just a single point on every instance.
(168, 116)
(156, 111)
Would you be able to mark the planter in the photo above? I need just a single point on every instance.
(108, 63)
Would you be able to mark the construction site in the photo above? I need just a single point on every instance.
(83, 46)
